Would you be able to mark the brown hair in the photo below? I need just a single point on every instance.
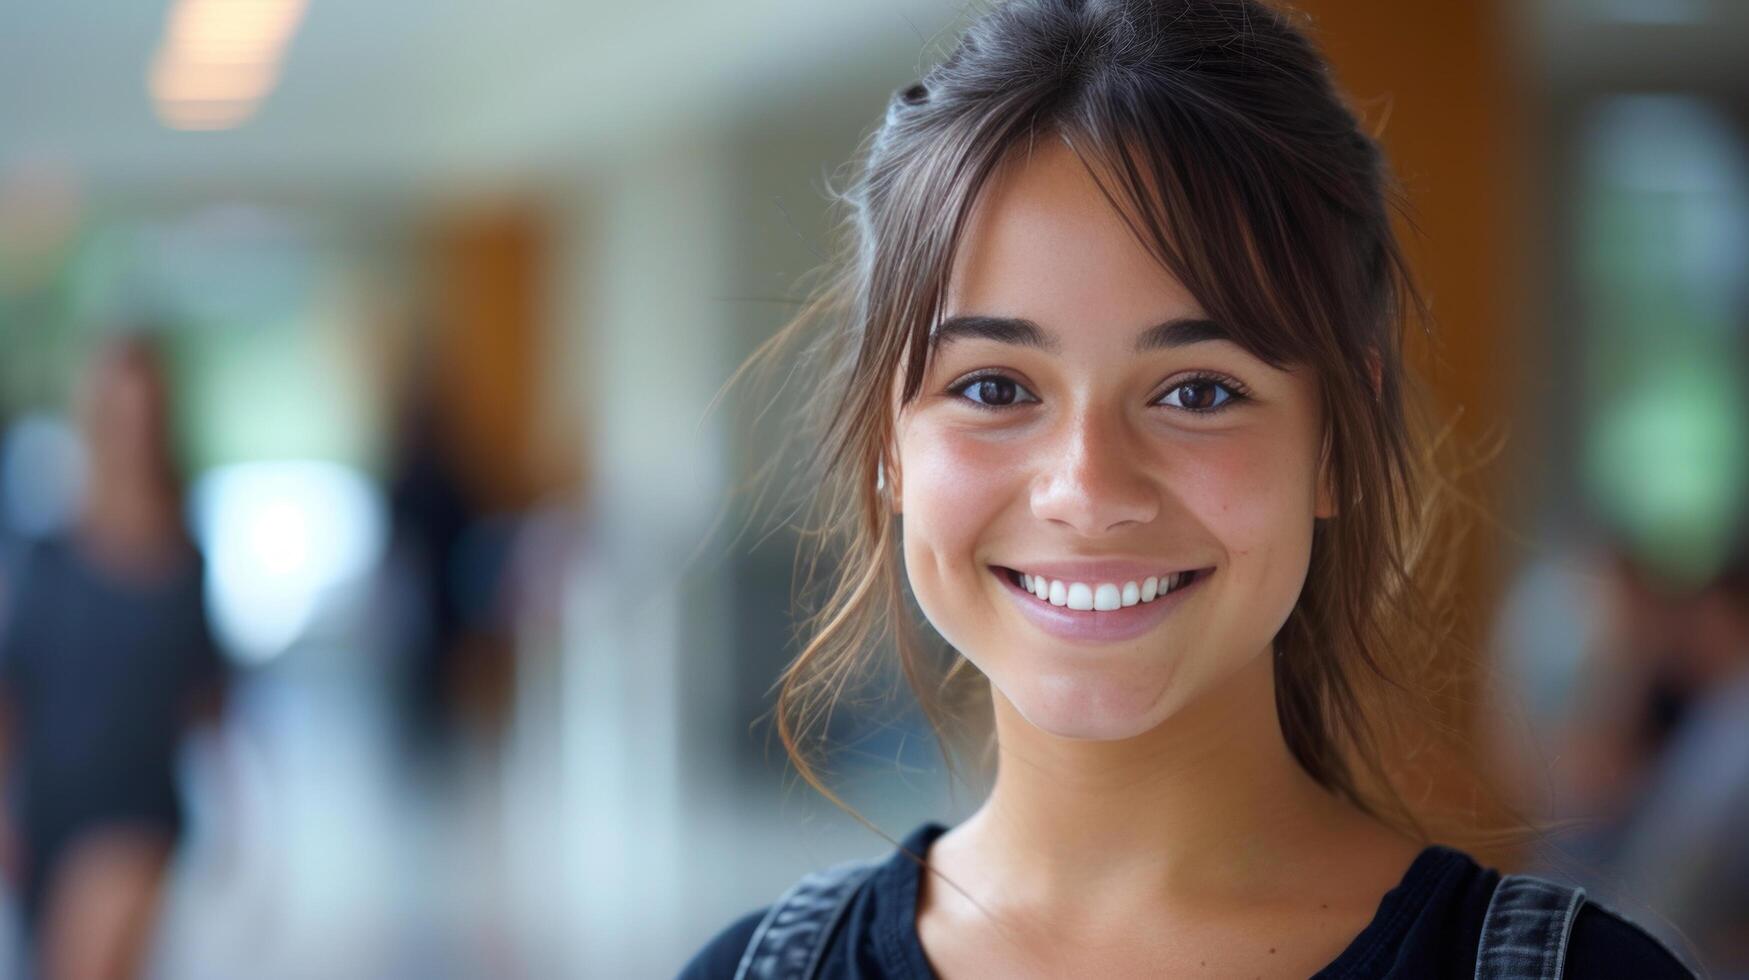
(1215, 129)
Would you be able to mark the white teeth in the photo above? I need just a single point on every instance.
(1101, 597)
(1080, 596)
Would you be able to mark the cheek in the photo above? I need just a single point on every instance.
(1255, 497)
(1244, 490)
(954, 489)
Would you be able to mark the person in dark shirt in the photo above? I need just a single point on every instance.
(1425, 928)
(105, 661)
(1112, 380)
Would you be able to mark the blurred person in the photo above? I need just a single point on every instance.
(430, 512)
(445, 580)
(1684, 847)
(105, 662)
(1656, 757)
(1115, 386)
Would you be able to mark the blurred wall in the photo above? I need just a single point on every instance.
(1443, 85)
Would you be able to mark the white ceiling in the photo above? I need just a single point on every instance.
(393, 93)
(376, 91)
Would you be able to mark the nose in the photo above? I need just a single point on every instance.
(1092, 478)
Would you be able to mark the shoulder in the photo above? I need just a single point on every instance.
(40, 556)
(28, 576)
(833, 912)
(1604, 945)
(1601, 944)
(720, 957)
(803, 918)
(1447, 897)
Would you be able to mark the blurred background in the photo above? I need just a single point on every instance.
(379, 591)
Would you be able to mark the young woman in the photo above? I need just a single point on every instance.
(105, 663)
(1114, 371)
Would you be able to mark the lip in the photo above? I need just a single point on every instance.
(1112, 626)
(1094, 571)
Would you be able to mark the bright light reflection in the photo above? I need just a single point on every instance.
(278, 538)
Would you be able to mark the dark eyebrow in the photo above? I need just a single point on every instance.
(1179, 332)
(1002, 329)
(1182, 332)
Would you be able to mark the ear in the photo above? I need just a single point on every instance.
(895, 485)
(887, 480)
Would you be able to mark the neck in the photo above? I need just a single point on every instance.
(1210, 804)
(130, 529)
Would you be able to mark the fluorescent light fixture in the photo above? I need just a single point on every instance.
(219, 59)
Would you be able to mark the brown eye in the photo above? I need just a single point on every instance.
(993, 391)
(1202, 395)
(996, 391)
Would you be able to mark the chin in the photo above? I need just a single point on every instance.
(1090, 704)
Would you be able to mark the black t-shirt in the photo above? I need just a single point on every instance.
(1428, 926)
(101, 672)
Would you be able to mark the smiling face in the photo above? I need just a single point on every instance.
(1083, 423)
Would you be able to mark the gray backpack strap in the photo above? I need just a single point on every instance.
(1525, 932)
(791, 939)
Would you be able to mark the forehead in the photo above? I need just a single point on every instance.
(1044, 242)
